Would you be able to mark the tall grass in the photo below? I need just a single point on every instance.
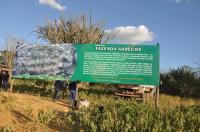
(109, 113)
(120, 116)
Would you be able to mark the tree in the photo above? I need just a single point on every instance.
(182, 81)
(9, 51)
(1, 58)
(197, 69)
(75, 30)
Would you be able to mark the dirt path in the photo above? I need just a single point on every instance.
(19, 112)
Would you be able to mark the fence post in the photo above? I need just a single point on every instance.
(157, 97)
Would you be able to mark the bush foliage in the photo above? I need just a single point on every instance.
(183, 81)
(119, 116)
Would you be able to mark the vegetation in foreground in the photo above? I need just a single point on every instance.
(120, 116)
(106, 112)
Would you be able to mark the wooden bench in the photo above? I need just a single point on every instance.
(123, 94)
(129, 91)
(128, 96)
(139, 93)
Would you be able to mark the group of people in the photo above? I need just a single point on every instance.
(62, 86)
(4, 77)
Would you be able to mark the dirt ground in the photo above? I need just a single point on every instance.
(18, 111)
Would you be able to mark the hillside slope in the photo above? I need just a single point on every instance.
(21, 112)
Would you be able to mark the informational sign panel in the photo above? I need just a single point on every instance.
(118, 63)
(107, 63)
(52, 62)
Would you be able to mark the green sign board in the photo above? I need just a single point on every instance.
(106, 63)
(117, 63)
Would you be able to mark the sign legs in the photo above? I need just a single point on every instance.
(157, 97)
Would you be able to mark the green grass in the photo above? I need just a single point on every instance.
(120, 115)
(109, 113)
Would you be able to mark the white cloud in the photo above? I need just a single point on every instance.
(179, 1)
(52, 3)
(131, 34)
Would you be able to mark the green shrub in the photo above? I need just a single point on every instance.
(120, 116)
(7, 128)
(45, 117)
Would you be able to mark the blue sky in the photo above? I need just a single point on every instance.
(172, 23)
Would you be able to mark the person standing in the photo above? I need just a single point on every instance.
(73, 94)
(59, 86)
(5, 77)
(0, 79)
(57, 89)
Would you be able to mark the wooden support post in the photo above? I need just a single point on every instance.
(157, 97)
(11, 86)
(157, 88)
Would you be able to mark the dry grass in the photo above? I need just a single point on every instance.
(21, 112)
(167, 102)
